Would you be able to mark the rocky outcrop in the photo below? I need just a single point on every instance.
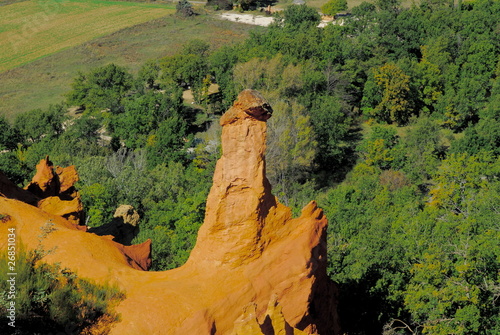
(122, 229)
(128, 215)
(56, 189)
(53, 191)
(67, 179)
(45, 183)
(139, 255)
(254, 268)
(71, 210)
(124, 226)
(274, 322)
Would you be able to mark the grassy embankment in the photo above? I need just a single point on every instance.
(43, 79)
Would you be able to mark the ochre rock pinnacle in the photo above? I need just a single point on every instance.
(253, 267)
(45, 183)
(240, 198)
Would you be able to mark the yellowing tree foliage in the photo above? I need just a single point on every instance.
(395, 87)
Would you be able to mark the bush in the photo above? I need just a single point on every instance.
(220, 4)
(184, 8)
(51, 298)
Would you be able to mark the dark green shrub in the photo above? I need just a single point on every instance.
(220, 4)
(184, 8)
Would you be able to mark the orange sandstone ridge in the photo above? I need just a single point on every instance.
(254, 269)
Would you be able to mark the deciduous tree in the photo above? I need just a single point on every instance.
(37, 124)
(393, 87)
(291, 146)
(101, 88)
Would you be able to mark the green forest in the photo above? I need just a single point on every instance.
(390, 121)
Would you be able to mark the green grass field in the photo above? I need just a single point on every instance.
(44, 81)
(33, 29)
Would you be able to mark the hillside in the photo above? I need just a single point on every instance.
(390, 122)
(128, 43)
(241, 245)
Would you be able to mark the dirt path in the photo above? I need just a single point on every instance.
(257, 20)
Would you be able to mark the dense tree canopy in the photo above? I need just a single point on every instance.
(8, 135)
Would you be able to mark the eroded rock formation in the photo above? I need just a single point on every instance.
(274, 322)
(56, 189)
(45, 183)
(254, 269)
(124, 226)
(247, 228)
(53, 191)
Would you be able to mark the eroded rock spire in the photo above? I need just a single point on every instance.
(240, 198)
(254, 269)
(246, 228)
